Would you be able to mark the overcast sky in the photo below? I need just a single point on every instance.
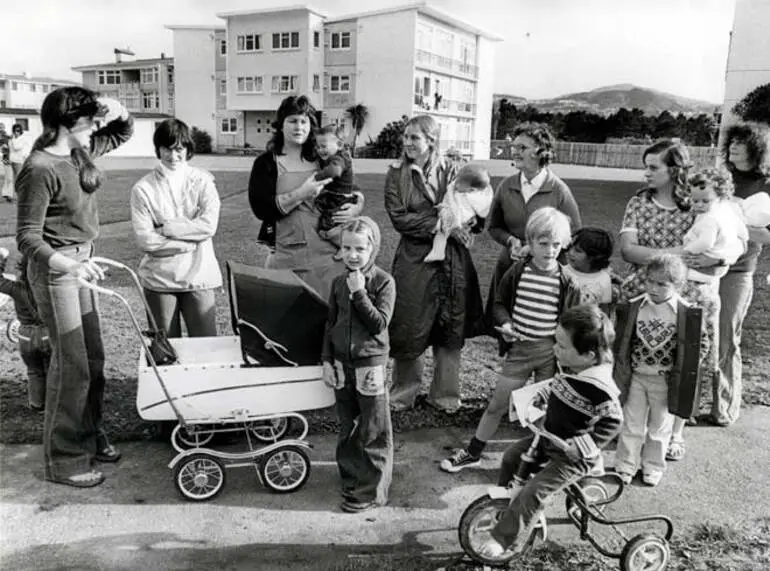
(550, 47)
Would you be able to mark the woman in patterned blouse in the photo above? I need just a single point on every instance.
(655, 222)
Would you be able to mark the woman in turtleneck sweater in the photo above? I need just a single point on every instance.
(175, 212)
(746, 153)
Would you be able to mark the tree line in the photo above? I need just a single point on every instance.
(631, 126)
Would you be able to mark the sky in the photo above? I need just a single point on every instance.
(548, 47)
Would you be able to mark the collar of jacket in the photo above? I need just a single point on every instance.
(599, 376)
(514, 182)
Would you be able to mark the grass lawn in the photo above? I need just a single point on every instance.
(601, 203)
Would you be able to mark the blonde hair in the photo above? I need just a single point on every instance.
(429, 128)
(549, 222)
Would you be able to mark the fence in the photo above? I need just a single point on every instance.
(615, 156)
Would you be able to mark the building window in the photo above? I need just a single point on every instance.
(229, 125)
(284, 83)
(45, 88)
(222, 87)
(316, 39)
(249, 43)
(33, 87)
(2, 84)
(316, 82)
(339, 84)
(341, 40)
(286, 41)
(223, 47)
(170, 70)
(150, 75)
(109, 77)
(14, 86)
(249, 84)
(23, 121)
(150, 100)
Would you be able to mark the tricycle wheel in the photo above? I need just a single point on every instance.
(199, 477)
(285, 469)
(271, 430)
(594, 491)
(645, 552)
(184, 438)
(12, 330)
(476, 525)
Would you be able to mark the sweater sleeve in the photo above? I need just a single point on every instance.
(608, 426)
(35, 186)
(504, 298)
(495, 220)
(262, 197)
(111, 136)
(327, 349)
(569, 206)
(376, 315)
(147, 237)
(204, 224)
(419, 225)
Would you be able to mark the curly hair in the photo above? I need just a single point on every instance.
(717, 178)
(756, 137)
(676, 157)
(544, 139)
(597, 245)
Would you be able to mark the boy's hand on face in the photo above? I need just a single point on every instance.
(355, 281)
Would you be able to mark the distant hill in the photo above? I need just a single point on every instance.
(607, 100)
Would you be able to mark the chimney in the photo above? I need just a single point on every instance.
(162, 55)
(120, 52)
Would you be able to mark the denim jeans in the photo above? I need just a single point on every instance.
(525, 508)
(647, 426)
(735, 290)
(198, 309)
(365, 443)
(72, 429)
(35, 351)
(444, 391)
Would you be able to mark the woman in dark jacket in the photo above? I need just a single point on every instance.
(438, 304)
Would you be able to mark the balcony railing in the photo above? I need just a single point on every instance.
(443, 63)
(451, 106)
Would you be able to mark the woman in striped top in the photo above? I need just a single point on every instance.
(528, 302)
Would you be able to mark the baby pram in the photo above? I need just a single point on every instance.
(253, 382)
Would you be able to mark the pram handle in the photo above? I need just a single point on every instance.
(109, 262)
(91, 285)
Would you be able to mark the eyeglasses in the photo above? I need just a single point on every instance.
(520, 148)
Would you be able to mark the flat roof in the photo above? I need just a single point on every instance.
(428, 10)
(124, 64)
(36, 78)
(213, 28)
(272, 11)
(19, 111)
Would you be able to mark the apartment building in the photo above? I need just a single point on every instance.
(748, 61)
(400, 61)
(21, 97)
(142, 85)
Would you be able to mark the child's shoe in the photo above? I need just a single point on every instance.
(459, 461)
(491, 549)
(624, 476)
(652, 479)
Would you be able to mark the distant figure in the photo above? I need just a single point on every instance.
(20, 146)
(8, 181)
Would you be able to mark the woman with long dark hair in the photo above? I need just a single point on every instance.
(282, 189)
(57, 224)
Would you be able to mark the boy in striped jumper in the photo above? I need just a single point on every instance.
(529, 300)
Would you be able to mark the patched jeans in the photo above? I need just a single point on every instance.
(365, 443)
(72, 428)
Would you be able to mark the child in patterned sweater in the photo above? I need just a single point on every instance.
(656, 368)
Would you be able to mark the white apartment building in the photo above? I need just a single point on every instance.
(399, 61)
(748, 61)
(21, 97)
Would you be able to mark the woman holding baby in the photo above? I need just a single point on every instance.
(438, 303)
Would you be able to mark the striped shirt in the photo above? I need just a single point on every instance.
(536, 304)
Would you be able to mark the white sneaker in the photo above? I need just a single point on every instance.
(458, 461)
(625, 477)
(652, 479)
(491, 549)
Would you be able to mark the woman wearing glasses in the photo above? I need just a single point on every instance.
(534, 186)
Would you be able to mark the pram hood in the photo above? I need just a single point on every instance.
(279, 308)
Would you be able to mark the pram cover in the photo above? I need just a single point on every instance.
(279, 318)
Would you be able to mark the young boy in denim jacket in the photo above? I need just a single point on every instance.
(33, 335)
(656, 366)
(581, 408)
(355, 353)
(531, 296)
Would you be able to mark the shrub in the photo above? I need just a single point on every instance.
(389, 143)
(755, 106)
(202, 141)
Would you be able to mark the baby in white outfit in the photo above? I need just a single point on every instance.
(468, 196)
(719, 230)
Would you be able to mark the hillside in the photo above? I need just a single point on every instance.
(607, 100)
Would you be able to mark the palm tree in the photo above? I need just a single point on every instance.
(359, 114)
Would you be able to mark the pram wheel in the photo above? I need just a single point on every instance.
(645, 552)
(594, 491)
(285, 469)
(199, 477)
(271, 430)
(184, 438)
(476, 525)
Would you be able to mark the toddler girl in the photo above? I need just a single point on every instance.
(588, 264)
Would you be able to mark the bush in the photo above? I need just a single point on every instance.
(389, 142)
(755, 106)
(202, 141)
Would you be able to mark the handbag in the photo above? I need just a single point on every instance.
(161, 349)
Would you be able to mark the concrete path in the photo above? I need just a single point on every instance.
(137, 520)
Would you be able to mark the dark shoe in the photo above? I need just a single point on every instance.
(37, 407)
(348, 496)
(107, 454)
(354, 507)
(459, 461)
(84, 480)
(692, 421)
(718, 421)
